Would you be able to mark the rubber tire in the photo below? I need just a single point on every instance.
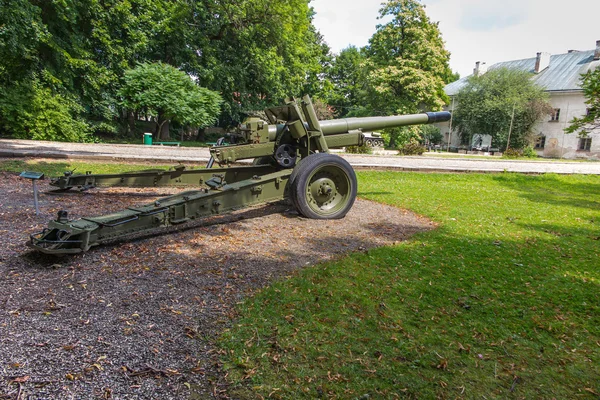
(291, 193)
(306, 170)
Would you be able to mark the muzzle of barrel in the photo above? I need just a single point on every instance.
(440, 116)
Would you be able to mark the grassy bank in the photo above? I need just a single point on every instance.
(501, 301)
(57, 168)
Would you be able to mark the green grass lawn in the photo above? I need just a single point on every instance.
(57, 168)
(501, 301)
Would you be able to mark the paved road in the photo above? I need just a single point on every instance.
(167, 154)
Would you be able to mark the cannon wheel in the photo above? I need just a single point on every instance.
(323, 186)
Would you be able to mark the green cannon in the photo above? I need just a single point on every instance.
(291, 161)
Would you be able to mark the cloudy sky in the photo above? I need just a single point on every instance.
(475, 30)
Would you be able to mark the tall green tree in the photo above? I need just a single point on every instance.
(407, 61)
(498, 102)
(75, 52)
(256, 52)
(70, 52)
(590, 83)
(347, 78)
(21, 31)
(168, 94)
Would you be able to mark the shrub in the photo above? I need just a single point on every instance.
(364, 149)
(512, 153)
(34, 112)
(529, 152)
(412, 148)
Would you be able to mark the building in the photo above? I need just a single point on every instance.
(560, 76)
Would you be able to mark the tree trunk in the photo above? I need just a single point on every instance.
(131, 123)
(201, 137)
(164, 130)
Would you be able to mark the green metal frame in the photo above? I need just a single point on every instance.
(68, 237)
(179, 176)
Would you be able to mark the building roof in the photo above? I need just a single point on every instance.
(563, 73)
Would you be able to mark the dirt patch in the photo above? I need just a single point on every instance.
(138, 319)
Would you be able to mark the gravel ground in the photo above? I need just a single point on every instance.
(138, 320)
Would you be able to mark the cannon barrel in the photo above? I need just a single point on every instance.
(293, 130)
(337, 126)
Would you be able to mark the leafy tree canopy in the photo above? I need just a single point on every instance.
(253, 52)
(347, 79)
(590, 83)
(169, 94)
(73, 54)
(407, 62)
(487, 104)
(256, 52)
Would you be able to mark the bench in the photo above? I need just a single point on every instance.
(167, 143)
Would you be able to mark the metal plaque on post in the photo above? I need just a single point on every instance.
(34, 176)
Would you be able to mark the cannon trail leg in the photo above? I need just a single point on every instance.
(69, 237)
(180, 176)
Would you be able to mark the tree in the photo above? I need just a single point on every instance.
(253, 52)
(256, 52)
(346, 76)
(498, 102)
(590, 83)
(72, 55)
(407, 62)
(168, 94)
(431, 135)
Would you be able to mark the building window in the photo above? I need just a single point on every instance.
(585, 144)
(555, 115)
(540, 142)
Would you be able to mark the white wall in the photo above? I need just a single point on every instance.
(558, 144)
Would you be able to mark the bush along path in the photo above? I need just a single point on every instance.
(501, 301)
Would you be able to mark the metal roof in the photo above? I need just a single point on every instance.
(563, 73)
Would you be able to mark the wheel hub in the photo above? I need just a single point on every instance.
(322, 191)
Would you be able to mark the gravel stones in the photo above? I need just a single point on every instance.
(139, 319)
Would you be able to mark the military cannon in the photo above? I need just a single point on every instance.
(291, 160)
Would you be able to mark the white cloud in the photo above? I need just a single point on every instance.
(476, 30)
(345, 23)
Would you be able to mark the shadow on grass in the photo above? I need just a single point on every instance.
(509, 307)
(592, 233)
(554, 190)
